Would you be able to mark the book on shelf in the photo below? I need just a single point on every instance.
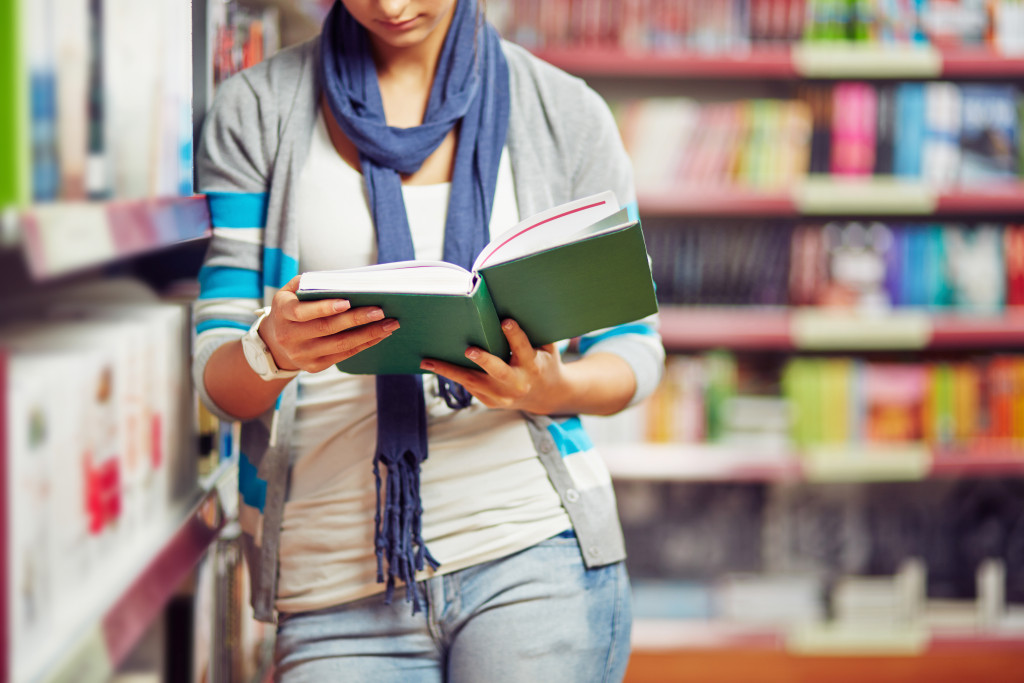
(105, 91)
(989, 134)
(566, 271)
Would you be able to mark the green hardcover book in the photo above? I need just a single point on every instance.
(570, 270)
(14, 134)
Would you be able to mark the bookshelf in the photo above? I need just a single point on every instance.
(100, 238)
(724, 463)
(796, 62)
(778, 329)
(699, 507)
(830, 196)
(63, 238)
(137, 590)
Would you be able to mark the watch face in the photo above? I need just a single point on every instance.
(257, 360)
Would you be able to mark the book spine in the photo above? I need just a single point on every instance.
(15, 168)
(490, 325)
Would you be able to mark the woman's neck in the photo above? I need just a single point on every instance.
(406, 74)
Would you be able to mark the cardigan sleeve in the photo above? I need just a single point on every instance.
(233, 168)
(602, 163)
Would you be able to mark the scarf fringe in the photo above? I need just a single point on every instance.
(398, 532)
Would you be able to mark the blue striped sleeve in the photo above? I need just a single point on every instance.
(225, 282)
(640, 328)
(237, 209)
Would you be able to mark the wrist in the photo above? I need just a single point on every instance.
(258, 354)
(280, 358)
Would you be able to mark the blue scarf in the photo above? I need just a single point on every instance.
(470, 88)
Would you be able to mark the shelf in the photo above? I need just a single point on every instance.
(831, 196)
(134, 593)
(675, 635)
(65, 237)
(714, 462)
(687, 328)
(789, 63)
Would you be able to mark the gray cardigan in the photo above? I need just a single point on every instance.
(563, 144)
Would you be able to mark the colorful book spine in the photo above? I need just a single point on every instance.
(853, 129)
(14, 115)
(940, 154)
(908, 131)
(989, 137)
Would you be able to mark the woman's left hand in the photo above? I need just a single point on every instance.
(533, 380)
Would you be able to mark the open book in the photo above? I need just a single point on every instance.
(566, 271)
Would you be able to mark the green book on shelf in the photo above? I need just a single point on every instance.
(14, 133)
(570, 270)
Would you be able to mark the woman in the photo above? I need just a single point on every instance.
(409, 129)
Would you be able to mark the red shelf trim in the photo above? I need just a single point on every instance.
(703, 328)
(995, 199)
(738, 202)
(718, 201)
(690, 328)
(614, 61)
(668, 635)
(976, 461)
(127, 620)
(135, 227)
(758, 62)
(5, 639)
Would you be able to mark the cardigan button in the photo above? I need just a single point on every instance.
(572, 495)
(593, 551)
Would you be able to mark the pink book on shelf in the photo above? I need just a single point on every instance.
(895, 395)
(853, 128)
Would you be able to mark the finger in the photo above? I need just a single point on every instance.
(292, 285)
(344, 343)
(522, 349)
(489, 363)
(335, 323)
(464, 376)
(305, 311)
(475, 382)
(327, 361)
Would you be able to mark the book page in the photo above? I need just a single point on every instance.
(419, 277)
(547, 228)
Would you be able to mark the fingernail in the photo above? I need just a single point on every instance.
(341, 305)
(426, 365)
(472, 354)
(376, 314)
(507, 324)
(391, 326)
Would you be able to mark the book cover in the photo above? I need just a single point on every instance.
(1013, 248)
(885, 121)
(133, 49)
(72, 52)
(895, 394)
(570, 270)
(940, 153)
(908, 132)
(989, 138)
(853, 129)
(42, 100)
(14, 115)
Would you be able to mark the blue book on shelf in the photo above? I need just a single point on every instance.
(913, 275)
(909, 130)
(936, 285)
(989, 135)
(894, 265)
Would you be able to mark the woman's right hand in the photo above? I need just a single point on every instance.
(314, 335)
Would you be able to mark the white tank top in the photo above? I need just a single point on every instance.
(326, 554)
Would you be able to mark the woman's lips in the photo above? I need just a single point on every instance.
(398, 25)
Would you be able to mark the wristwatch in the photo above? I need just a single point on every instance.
(258, 355)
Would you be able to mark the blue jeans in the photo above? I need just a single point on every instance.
(537, 615)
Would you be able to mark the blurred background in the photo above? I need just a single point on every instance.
(827, 486)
